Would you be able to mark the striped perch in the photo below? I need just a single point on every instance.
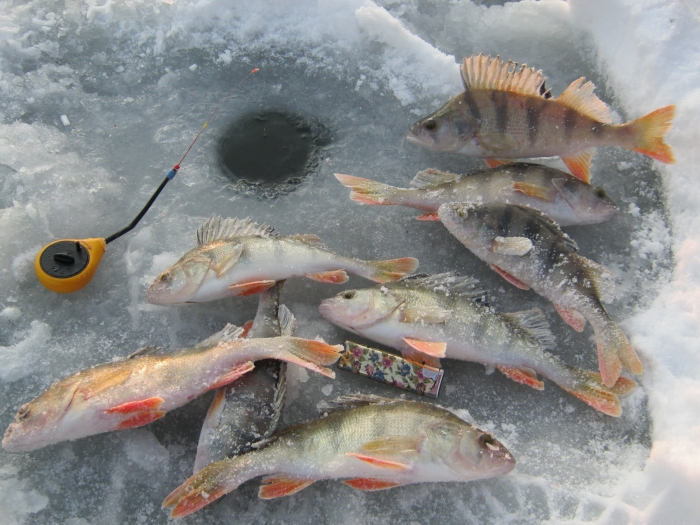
(506, 113)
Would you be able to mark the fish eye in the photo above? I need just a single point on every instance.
(430, 125)
(166, 276)
(486, 439)
(349, 294)
(600, 192)
(23, 412)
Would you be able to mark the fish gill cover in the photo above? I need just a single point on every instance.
(134, 81)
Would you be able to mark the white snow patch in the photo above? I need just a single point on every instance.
(17, 361)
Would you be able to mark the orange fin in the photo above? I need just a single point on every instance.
(572, 317)
(392, 270)
(523, 375)
(651, 130)
(334, 277)
(141, 419)
(508, 277)
(312, 354)
(243, 289)
(484, 72)
(431, 216)
(494, 163)
(366, 191)
(379, 462)
(431, 348)
(231, 376)
(536, 191)
(580, 97)
(580, 165)
(417, 357)
(246, 329)
(591, 390)
(370, 484)
(136, 406)
(278, 486)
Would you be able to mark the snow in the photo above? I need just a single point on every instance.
(137, 80)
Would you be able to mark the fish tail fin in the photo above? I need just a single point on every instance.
(589, 388)
(391, 270)
(615, 353)
(312, 355)
(367, 191)
(210, 483)
(649, 133)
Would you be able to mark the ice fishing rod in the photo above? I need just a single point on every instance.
(67, 265)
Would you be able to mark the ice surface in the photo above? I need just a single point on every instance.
(123, 75)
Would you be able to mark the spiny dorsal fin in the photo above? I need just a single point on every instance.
(278, 401)
(552, 225)
(310, 239)
(146, 350)
(228, 333)
(535, 323)
(358, 400)
(432, 177)
(451, 284)
(288, 323)
(581, 98)
(484, 72)
(218, 229)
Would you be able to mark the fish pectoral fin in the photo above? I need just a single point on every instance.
(246, 328)
(522, 375)
(276, 486)
(334, 277)
(136, 406)
(229, 261)
(431, 348)
(536, 191)
(572, 317)
(431, 216)
(251, 288)
(380, 462)
(495, 142)
(393, 445)
(370, 484)
(417, 357)
(428, 315)
(141, 412)
(508, 277)
(494, 163)
(511, 246)
(580, 165)
(232, 375)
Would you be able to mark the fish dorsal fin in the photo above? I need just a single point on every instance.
(552, 225)
(359, 400)
(218, 229)
(535, 323)
(310, 239)
(146, 350)
(432, 177)
(288, 323)
(579, 96)
(484, 72)
(451, 284)
(228, 333)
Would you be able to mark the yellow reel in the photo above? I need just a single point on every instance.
(67, 265)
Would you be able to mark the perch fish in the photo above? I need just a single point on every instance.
(507, 113)
(429, 317)
(529, 250)
(237, 257)
(379, 444)
(566, 199)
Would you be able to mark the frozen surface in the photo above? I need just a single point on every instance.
(99, 98)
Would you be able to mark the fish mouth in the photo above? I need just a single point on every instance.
(418, 141)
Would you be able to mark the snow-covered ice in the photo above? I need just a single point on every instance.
(98, 98)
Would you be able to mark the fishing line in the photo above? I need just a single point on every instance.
(67, 265)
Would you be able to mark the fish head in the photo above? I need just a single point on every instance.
(448, 129)
(36, 423)
(476, 226)
(179, 283)
(590, 203)
(354, 309)
(468, 451)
